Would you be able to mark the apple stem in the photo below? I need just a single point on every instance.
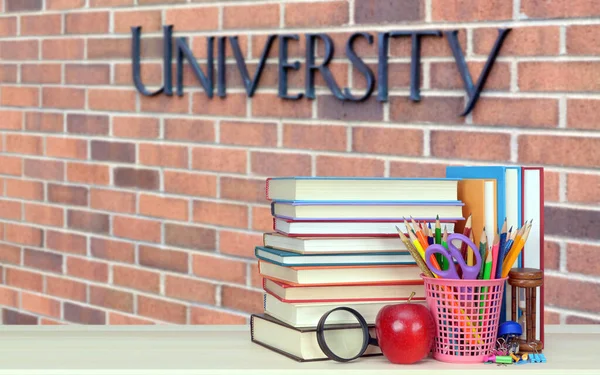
(411, 296)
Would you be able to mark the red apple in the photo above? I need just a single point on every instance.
(405, 332)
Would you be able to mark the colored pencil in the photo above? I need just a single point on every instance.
(514, 253)
(466, 233)
(470, 252)
(445, 261)
(501, 243)
(495, 249)
(482, 251)
(415, 254)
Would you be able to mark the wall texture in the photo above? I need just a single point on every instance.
(123, 209)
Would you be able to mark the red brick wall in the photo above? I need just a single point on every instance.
(118, 208)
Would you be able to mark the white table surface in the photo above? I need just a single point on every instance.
(174, 350)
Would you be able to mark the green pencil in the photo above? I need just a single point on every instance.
(445, 261)
(482, 251)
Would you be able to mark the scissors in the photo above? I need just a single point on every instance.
(468, 272)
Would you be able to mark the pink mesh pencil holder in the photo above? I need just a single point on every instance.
(467, 315)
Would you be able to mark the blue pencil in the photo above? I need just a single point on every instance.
(500, 249)
(503, 251)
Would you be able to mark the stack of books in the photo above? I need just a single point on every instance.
(335, 243)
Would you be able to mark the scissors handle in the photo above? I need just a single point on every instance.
(450, 273)
(468, 272)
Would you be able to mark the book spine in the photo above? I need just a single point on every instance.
(267, 182)
(274, 227)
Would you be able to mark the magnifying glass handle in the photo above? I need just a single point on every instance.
(367, 339)
(373, 341)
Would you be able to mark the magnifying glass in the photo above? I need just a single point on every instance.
(340, 343)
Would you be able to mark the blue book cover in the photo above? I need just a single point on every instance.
(290, 259)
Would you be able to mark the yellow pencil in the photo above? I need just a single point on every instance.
(514, 252)
(415, 254)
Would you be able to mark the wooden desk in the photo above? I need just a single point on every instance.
(178, 350)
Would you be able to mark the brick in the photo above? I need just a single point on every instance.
(135, 127)
(523, 112)
(28, 190)
(63, 98)
(23, 279)
(22, 5)
(190, 130)
(287, 164)
(10, 209)
(150, 21)
(136, 279)
(44, 122)
(11, 120)
(199, 47)
(112, 200)
(68, 195)
(263, 105)
(196, 184)
(10, 317)
(63, 49)
(344, 166)
(20, 96)
(295, 47)
(19, 50)
(44, 169)
(251, 17)
(249, 134)
(219, 159)
(202, 316)
(262, 219)
(246, 300)
(560, 221)
(551, 255)
(211, 267)
(447, 110)
(256, 279)
(11, 165)
(111, 298)
(470, 10)
(88, 221)
(190, 237)
(44, 215)
(87, 269)
(566, 151)
(83, 315)
(583, 113)
(112, 100)
(525, 41)
(163, 207)
(120, 319)
(64, 288)
(66, 242)
(46, 24)
(43, 260)
(67, 148)
(583, 40)
(225, 214)
(387, 141)
(8, 73)
(580, 188)
(165, 104)
(8, 26)
(190, 289)
(419, 169)
(87, 23)
(559, 9)
(232, 105)
(193, 19)
(40, 305)
(9, 297)
(87, 74)
(108, 48)
(316, 14)
(384, 11)
(23, 144)
(571, 319)
(163, 155)
(443, 75)
(551, 186)
(117, 251)
(23, 234)
(170, 260)
(146, 179)
(10, 254)
(110, 3)
(451, 144)
(64, 4)
(559, 76)
(583, 295)
(136, 229)
(329, 107)
(41, 73)
(45, 321)
(88, 173)
(162, 310)
(315, 137)
(239, 243)
(113, 151)
(241, 189)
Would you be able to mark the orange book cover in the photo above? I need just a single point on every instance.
(472, 193)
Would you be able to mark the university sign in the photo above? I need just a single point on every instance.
(379, 83)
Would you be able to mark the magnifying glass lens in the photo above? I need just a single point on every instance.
(343, 335)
